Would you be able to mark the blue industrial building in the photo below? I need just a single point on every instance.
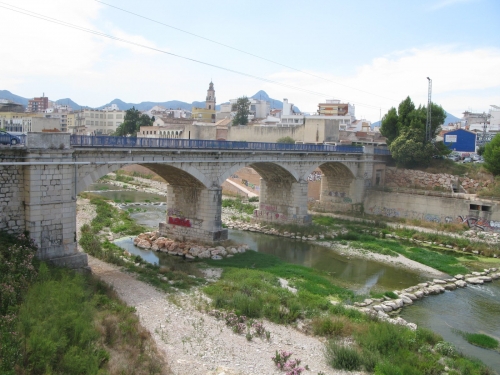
(460, 140)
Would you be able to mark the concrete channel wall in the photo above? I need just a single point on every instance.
(477, 213)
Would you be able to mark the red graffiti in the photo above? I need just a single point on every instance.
(179, 221)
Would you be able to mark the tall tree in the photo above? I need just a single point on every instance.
(242, 109)
(405, 133)
(491, 155)
(132, 123)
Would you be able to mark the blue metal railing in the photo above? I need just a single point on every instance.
(171, 143)
(381, 151)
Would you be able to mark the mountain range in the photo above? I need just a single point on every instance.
(143, 106)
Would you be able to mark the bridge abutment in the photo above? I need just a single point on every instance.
(194, 213)
(283, 202)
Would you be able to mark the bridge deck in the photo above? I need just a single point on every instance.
(171, 143)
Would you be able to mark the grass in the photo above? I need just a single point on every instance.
(238, 205)
(250, 286)
(479, 339)
(493, 190)
(62, 322)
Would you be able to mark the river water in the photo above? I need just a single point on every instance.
(472, 309)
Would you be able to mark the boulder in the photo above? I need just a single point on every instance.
(450, 286)
(204, 254)
(411, 296)
(216, 257)
(144, 244)
(406, 300)
(474, 280)
(460, 283)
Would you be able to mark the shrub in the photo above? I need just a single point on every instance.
(343, 357)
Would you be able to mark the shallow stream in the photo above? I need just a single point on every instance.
(473, 309)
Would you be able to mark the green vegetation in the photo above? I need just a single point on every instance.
(250, 287)
(479, 339)
(256, 292)
(253, 199)
(242, 109)
(55, 321)
(405, 132)
(493, 190)
(174, 270)
(287, 139)
(132, 122)
(238, 205)
(492, 155)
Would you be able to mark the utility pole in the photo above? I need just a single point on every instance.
(484, 128)
(428, 128)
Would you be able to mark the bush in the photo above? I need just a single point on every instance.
(342, 357)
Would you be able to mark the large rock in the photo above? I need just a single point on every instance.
(406, 300)
(144, 244)
(451, 286)
(460, 283)
(474, 280)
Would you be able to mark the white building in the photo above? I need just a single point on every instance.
(259, 109)
(95, 121)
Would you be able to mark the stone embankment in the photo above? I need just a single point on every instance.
(188, 250)
(382, 306)
(408, 178)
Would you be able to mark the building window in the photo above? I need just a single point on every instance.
(110, 116)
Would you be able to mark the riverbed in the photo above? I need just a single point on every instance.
(473, 309)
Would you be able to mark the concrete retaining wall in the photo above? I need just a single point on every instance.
(480, 214)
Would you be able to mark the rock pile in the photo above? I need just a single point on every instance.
(382, 306)
(188, 250)
(407, 178)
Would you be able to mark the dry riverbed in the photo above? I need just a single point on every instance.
(195, 343)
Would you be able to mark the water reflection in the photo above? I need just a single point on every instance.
(473, 309)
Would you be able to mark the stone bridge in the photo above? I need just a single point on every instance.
(41, 179)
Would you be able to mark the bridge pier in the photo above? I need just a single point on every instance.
(283, 201)
(194, 213)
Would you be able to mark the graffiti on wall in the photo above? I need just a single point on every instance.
(479, 223)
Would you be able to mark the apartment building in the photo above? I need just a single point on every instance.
(38, 104)
(94, 121)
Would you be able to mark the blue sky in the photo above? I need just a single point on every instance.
(370, 53)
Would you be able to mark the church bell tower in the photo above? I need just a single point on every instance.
(210, 102)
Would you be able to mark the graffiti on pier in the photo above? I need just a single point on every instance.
(182, 222)
(347, 200)
(271, 208)
(174, 212)
(271, 215)
(315, 176)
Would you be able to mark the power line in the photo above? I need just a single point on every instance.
(98, 33)
(237, 49)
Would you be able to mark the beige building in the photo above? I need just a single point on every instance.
(95, 121)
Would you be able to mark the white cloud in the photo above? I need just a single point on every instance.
(459, 77)
(45, 57)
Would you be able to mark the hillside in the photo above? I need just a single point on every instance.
(143, 106)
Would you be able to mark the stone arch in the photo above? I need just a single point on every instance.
(267, 170)
(338, 184)
(90, 174)
(187, 176)
(339, 165)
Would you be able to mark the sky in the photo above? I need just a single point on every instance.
(370, 53)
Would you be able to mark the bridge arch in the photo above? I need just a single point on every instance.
(338, 184)
(267, 170)
(87, 175)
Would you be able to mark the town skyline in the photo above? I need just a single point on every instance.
(367, 64)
